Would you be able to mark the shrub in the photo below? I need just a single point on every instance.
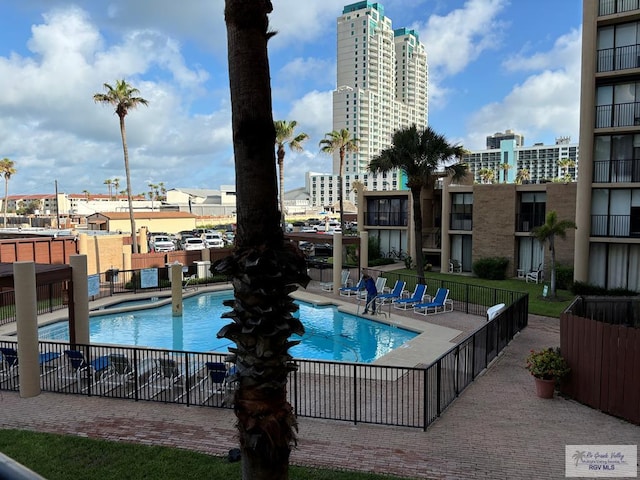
(374, 249)
(547, 364)
(491, 268)
(564, 277)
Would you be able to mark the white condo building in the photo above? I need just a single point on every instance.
(541, 161)
(381, 87)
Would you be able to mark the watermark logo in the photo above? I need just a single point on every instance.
(601, 461)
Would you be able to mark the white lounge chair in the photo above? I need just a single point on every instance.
(344, 278)
(439, 304)
(536, 275)
(417, 297)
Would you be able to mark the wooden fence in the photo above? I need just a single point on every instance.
(605, 365)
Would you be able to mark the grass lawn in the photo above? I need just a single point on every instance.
(62, 457)
(538, 305)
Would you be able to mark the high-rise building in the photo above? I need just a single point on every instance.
(381, 87)
(607, 247)
(542, 163)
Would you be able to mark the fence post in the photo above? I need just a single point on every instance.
(355, 395)
(425, 407)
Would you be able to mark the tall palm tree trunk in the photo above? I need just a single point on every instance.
(340, 192)
(264, 268)
(281, 178)
(134, 235)
(417, 227)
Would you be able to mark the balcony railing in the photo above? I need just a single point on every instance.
(618, 58)
(386, 219)
(615, 226)
(609, 7)
(616, 171)
(525, 222)
(618, 115)
(461, 221)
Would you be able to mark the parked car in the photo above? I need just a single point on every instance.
(213, 240)
(193, 243)
(229, 237)
(161, 243)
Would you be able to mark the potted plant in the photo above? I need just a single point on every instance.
(548, 367)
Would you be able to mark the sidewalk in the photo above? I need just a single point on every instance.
(497, 429)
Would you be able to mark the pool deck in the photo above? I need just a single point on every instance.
(497, 429)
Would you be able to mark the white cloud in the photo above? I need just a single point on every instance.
(544, 105)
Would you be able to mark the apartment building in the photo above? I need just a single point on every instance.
(541, 162)
(607, 246)
(381, 87)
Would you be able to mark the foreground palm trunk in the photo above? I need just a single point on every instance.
(264, 267)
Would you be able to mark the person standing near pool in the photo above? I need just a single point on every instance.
(372, 293)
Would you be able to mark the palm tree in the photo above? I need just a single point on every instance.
(264, 268)
(153, 193)
(421, 155)
(285, 135)
(548, 232)
(342, 142)
(486, 175)
(163, 191)
(87, 195)
(565, 164)
(7, 170)
(505, 171)
(523, 175)
(116, 186)
(123, 97)
(108, 182)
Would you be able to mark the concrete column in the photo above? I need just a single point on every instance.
(176, 289)
(83, 244)
(24, 283)
(144, 240)
(445, 240)
(80, 299)
(205, 256)
(337, 262)
(126, 257)
(364, 250)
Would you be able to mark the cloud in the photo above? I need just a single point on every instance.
(544, 105)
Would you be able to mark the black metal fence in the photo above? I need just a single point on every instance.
(50, 297)
(400, 396)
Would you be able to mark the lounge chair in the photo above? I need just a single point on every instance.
(455, 266)
(344, 279)
(82, 370)
(395, 294)
(10, 361)
(166, 375)
(439, 304)
(219, 381)
(119, 372)
(536, 275)
(417, 297)
(352, 290)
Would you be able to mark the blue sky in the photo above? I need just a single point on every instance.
(493, 65)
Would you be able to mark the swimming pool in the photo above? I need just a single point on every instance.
(329, 333)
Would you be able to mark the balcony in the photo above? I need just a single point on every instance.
(618, 115)
(609, 7)
(620, 226)
(525, 222)
(618, 58)
(461, 221)
(616, 171)
(385, 219)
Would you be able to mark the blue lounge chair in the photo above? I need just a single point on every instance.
(439, 304)
(10, 359)
(415, 298)
(352, 290)
(393, 295)
(81, 369)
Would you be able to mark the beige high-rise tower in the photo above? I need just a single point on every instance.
(607, 248)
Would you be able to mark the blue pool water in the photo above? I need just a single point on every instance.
(329, 334)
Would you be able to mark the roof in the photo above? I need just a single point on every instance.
(45, 273)
(141, 215)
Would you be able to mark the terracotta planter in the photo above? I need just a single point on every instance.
(545, 388)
